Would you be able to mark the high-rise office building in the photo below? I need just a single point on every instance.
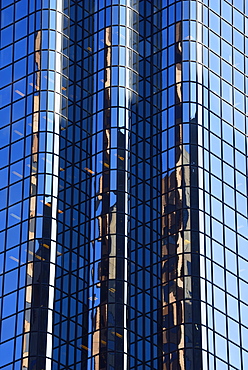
(123, 169)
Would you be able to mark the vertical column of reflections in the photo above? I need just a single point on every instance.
(179, 159)
(71, 299)
(144, 277)
(23, 167)
(33, 196)
(131, 78)
(56, 169)
(108, 294)
(42, 242)
(201, 184)
(174, 198)
(32, 147)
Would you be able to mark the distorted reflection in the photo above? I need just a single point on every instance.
(100, 324)
(33, 192)
(176, 244)
(109, 208)
(38, 251)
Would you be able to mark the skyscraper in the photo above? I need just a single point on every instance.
(123, 169)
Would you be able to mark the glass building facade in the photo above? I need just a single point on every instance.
(123, 175)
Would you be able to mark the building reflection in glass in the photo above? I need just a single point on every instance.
(178, 331)
(109, 207)
(107, 346)
(29, 314)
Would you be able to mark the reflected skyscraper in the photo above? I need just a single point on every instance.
(123, 174)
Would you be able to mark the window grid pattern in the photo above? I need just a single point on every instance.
(92, 276)
(145, 189)
(123, 171)
(32, 97)
(223, 225)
